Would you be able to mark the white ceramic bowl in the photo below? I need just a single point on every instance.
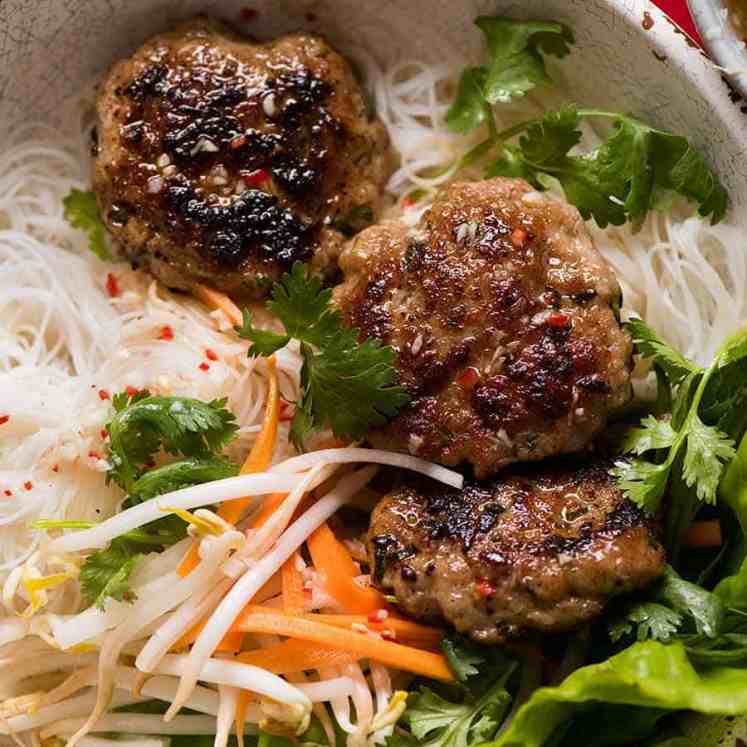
(627, 57)
(721, 40)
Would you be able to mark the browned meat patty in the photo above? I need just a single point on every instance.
(539, 548)
(223, 161)
(502, 315)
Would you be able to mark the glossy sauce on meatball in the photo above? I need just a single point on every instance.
(503, 317)
(223, 161)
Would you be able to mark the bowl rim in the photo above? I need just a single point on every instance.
(721, 41)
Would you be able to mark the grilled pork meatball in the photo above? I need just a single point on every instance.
(224, 161)
(502, 315)
(538, 548)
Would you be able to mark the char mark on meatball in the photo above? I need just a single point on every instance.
(223, 161)
(501, 312)
(539, 548)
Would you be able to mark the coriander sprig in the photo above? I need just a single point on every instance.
(634, 170)
(687, 453)
(350, 385)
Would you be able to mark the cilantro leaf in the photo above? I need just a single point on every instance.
(649, 345)
(463, 656)
(437, 722)
(106, 574)
(642, 481)
(515, 66)
(346, 384)
(695, 450)
(469, 109)
(82, 211)
(143, 424)
(707, 449)
(653, 434)
(647, 620)
(180, 474)
(264, 341)
(515, 51)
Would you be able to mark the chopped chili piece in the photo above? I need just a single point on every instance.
(558, 320)
(166, 333)
(255, 178)
(378, 616)
(484, 588)
(519, 237)
(103, 433)
(131, 391)
(408, 202)
(211, 355)
(28, 485)
(112, 286)
(8, 492)
(103, 394)
(4, 419)
(468, 378)
(93, 455)
(56, 468)
(238, 142)
(204, 366)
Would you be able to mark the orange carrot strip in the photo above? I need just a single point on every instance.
(255, 619)
(245, 697)
(703, 534)
(229, 639)
(258, 460)
(333, 560)
(406, 631)
(295, 656)
(217, 300)
(293, 593)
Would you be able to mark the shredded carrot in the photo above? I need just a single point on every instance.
(269, 507)
(295, 656)
(255, 619)
(293, 593)
(338, 569)
(230, 643)
(245, 697)
(258, 460)
(703, 534)
(405, 631)
(217, 300)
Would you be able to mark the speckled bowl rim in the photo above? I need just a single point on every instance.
(721, 40)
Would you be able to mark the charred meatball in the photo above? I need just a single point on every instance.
(223, 161)
(503, 317)
(539, 548)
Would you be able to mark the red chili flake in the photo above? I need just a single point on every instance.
(8, 492)
(93, 455)
(131, 391)
(407, 203)
(468, 378)
(558, 320)
(204, 366)
(4, 419)
(104, 435)
(28, 485)
(519, 237)
(211, 355)
(112, 286)
(103, 395)
(286, 411)
(485, 588)
(166, 333)
(255, 178)
(248, 14)
(56, 468)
